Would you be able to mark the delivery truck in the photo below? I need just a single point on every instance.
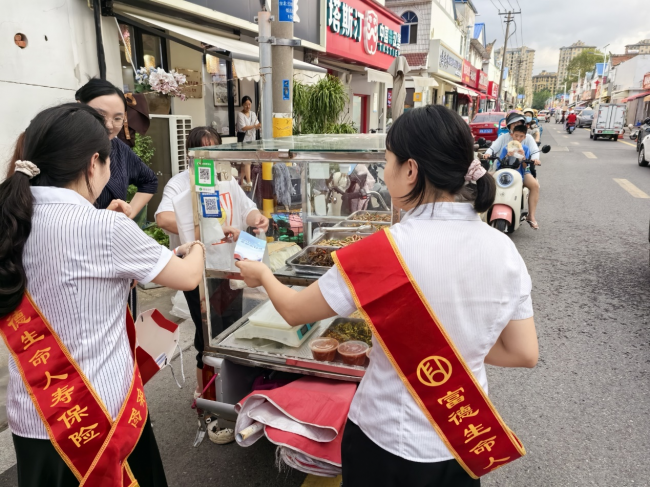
(609, 121)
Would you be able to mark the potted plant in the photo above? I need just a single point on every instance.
(158, 86)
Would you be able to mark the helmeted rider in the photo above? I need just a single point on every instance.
(512, 120)
(571, 118)
(533, 128)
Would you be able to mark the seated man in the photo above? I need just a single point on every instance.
(518, 132)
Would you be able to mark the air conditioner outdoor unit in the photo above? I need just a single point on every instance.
(178, 128)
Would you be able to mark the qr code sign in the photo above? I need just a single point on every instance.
(205, 175)
(211, 206)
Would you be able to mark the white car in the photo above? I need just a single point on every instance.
(543, 116)
(644, 151)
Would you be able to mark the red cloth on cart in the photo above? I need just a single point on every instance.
(307, 415)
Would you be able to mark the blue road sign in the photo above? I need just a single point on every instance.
(285, 89)
(285, 11)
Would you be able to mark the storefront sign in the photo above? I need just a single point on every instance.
(483, 81)
(493, 89)
(193, 88)
(362, 31)
(646, 81)
(389, 97)
(470, 75)
(444, 61)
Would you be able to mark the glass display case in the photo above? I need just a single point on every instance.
(329, 192)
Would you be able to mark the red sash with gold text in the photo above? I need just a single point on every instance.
(83, 432)
(424, 356)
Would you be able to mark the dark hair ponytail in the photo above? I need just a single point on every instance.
(441, 143)
(61, 142)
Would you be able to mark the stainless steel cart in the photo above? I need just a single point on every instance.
(325, 164)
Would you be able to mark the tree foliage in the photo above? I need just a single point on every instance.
(540, 98)
(317, 109)
(582, 63)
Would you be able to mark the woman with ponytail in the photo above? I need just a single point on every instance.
(440, 268)
(65, 270)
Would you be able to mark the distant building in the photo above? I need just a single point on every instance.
(566, 55)
(520, 62)
(641, 47)
(544, 81)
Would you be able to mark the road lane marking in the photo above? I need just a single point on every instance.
(590, 155)
(630, 188)
(627, 143)
(316, 481)
(575, 143)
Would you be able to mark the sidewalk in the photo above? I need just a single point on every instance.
(159, 298)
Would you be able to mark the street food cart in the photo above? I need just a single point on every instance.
(326, 212)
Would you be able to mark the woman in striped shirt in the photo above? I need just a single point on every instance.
(76, 262)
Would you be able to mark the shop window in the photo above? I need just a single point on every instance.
(409, 28)
(139, 49)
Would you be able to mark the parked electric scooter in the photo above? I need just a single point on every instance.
(510, 206)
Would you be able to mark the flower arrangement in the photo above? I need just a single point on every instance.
(160, 81)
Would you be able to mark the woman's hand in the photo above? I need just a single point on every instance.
(232, 234)
(253, 272)
(120, 206)
(258, 125)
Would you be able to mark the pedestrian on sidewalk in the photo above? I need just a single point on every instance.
(65, 273)
(434, 274)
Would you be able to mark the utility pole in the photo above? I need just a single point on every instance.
(266, 73)
(509, 19)
(282, 58)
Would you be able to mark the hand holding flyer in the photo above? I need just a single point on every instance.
(249, 247)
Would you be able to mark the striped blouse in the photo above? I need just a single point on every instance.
(79, 263)
(476, 282)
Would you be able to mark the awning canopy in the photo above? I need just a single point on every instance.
(422, 82)
(245, 56)
(463, 90)
(379, 77)
(634, 97)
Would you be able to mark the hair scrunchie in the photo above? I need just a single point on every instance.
(475, 172)
(28, 168)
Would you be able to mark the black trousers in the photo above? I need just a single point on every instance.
(367, 465)
(40, 465)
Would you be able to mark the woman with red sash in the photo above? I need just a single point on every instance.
(76, 404)
(444, 294)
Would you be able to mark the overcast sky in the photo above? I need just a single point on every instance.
(547, 25)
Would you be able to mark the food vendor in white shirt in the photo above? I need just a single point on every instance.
(441, 304)
(238, 213)
(75, 403)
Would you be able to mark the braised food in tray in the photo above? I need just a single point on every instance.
(341, 242)
(317, 257)
(366, 216)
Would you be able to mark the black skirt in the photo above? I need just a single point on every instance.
(365, 464)
(39, 464)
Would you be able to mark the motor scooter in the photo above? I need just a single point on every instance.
(570, 127)
(510, 206)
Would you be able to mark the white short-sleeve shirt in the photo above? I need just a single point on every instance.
(79, 263)
(475, 281)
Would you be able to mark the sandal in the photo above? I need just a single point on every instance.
(533, 224)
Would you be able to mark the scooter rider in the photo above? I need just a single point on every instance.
(513, 120)
(533, 128)
(571, 118)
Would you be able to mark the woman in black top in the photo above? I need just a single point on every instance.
(126, 167)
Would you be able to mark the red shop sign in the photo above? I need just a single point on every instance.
(493, 89)
(362, 31)
(470, 75)
(482, 81)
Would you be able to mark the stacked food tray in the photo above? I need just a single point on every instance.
(316, 257)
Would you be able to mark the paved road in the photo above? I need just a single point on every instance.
(581, 412)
